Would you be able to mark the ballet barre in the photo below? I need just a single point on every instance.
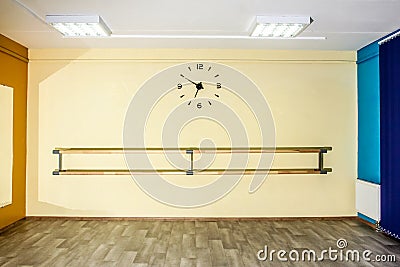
(320, 169)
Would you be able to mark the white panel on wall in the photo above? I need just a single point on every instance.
(368, 200)
(6, 144)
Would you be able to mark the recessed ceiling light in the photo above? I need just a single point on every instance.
(280, 27)
(79, 25)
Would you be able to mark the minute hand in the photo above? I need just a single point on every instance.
(190, 81)
(197, 84)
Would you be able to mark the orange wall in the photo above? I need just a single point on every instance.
(14, 73)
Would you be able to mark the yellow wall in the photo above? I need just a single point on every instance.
(78, 98)
(14, 73)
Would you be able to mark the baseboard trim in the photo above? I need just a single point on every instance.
(5, 228)
(189, 218)
(366, 222)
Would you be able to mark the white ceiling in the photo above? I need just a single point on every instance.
(346, 24)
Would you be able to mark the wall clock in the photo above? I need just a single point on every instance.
(209, 86)
(202, 90)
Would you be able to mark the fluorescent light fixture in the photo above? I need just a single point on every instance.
(280, 27)
(79, 25)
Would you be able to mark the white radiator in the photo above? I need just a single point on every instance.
(368, 199)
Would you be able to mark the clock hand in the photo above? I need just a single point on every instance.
(189, 80)
(196, 93)
(198, 85)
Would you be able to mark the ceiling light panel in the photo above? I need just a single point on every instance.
(79, 25)
(280, 27)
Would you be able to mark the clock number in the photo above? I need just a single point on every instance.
(199, 105)
(199, 66)
(219, 86)
(179, 86)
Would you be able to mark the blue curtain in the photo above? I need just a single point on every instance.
(389, 65)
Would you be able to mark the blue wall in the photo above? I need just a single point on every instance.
(368, 113)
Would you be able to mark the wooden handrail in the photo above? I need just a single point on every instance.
(194, 172)
(191, 171)
(113, 150)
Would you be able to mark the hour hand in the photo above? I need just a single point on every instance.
(196, 93)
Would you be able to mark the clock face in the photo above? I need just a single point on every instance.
(191, 90)
(181, 97)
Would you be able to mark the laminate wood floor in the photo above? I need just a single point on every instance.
(63, 242)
